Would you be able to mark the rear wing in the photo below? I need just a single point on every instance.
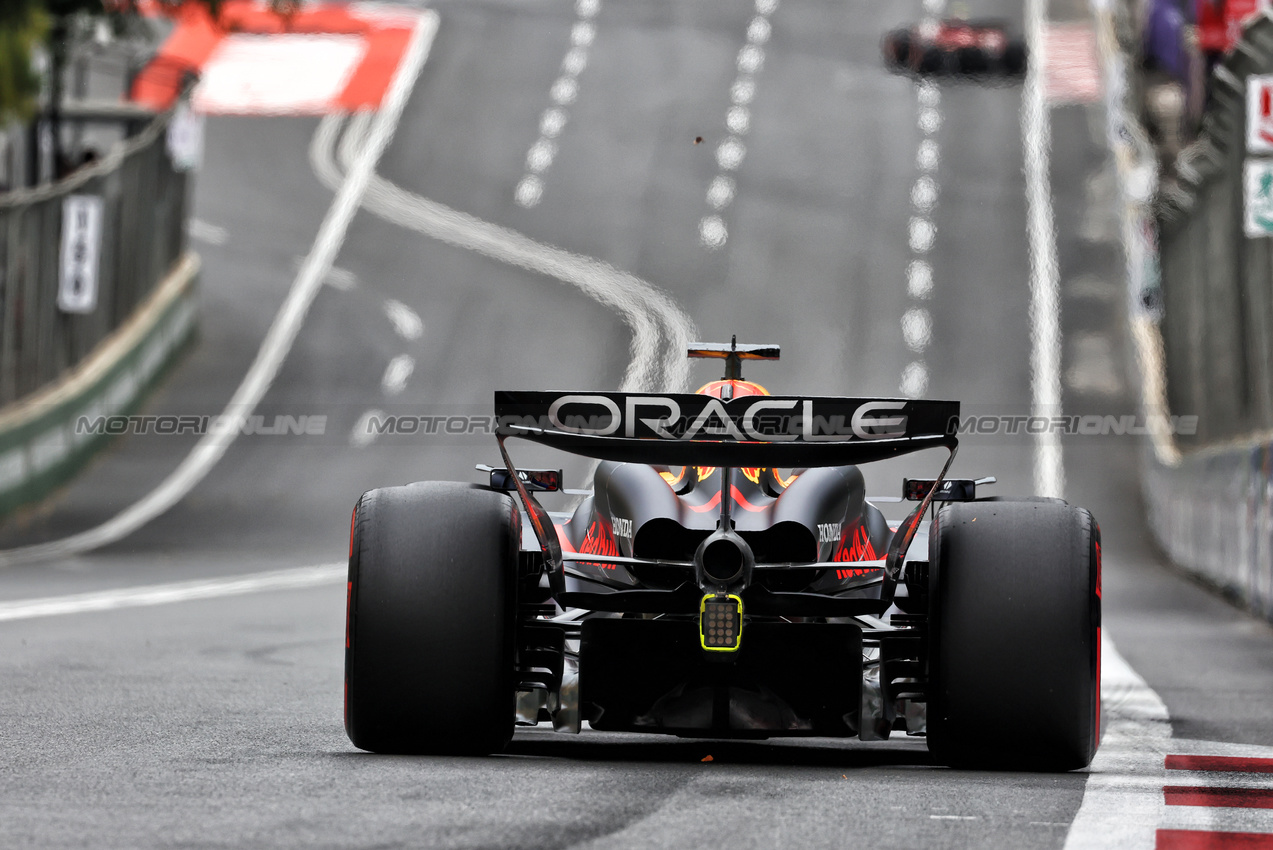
(750, 431)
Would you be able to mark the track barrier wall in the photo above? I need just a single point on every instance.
(1200, 296)
(57, 365)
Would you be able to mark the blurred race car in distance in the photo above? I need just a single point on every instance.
(955, 47)
(725, 575)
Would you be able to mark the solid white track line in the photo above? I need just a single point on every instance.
(1045, 299)
(165, 594)
(1123, 798)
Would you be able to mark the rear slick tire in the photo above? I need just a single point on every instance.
(1014, 658)
(429, 623)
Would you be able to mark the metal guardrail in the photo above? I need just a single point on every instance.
(1217, 283)
(142, 238)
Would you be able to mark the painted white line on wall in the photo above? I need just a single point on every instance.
(1045, 300)
(1123, 797)
(564, 91)
(166, 594)
(282, 333)
(661, 331)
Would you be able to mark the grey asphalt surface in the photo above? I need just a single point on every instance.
(217, 723)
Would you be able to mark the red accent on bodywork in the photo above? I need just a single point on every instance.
(855, 545)
(738, 389)
(598, 541)
(714, 502)
(566, 545)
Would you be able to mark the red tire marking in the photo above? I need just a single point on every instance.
(1229, 798)
(1190, 839)
(1228, 764)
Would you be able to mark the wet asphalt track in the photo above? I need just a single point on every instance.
(217, 722)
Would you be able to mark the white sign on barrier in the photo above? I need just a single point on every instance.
(81, 246)
(185, 138)
(1259, 114)
(1257, 200)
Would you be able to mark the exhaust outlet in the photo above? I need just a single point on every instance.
(723, 562)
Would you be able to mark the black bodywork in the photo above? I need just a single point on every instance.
(614, 596)
(644, 674)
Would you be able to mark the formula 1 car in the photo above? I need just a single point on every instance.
(955, 46)
(698, 590)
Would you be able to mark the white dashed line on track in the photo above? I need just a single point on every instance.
(406, 322)
(713, 233)
(209, 233)
(342, 279)
(917, 329)
(397, 373)
(919, 279)
(928, 157)
(924, 194)
(337, 277)
(362, 434)
(563, 93)
(914, 379)
(921, 235)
